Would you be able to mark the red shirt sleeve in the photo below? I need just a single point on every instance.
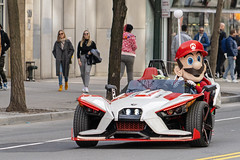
(199, 88)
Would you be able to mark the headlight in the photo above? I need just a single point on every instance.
(136, 111)
(128, 112)
(173, 112)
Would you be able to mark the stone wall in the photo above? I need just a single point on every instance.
(75, 16)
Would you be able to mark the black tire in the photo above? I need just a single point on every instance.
(81, 123)
(199, 117)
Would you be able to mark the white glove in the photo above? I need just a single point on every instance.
(191, 83)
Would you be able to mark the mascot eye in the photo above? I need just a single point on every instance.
(199, 59)
(190, 61)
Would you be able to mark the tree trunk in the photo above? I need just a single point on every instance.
(17, 99)
(119, 14)
(215, 37)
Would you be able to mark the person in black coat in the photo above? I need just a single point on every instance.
(62, 51)
(220, 57)
(4, 45)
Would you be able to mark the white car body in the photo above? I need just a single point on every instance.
(149, 102)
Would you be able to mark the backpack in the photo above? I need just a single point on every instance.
(224, 45)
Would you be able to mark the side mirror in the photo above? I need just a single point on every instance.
(112, 89)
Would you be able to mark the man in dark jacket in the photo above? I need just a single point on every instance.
(232, 52)
(220, 57)
(203, 38)
(4, 45)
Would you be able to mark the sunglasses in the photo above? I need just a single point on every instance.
(85, 33)
(201, 30)
(60, 34)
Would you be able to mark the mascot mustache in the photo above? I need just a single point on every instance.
(195, 72)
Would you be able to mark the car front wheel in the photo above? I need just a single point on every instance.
(200, 118)
(81, 123)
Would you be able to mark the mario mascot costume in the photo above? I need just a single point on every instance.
(191, 65)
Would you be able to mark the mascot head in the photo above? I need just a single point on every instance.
(190, 61)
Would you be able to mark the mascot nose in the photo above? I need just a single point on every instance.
(197, 65)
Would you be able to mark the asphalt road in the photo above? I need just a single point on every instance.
(51, 140)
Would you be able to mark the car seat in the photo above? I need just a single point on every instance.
(148, 73)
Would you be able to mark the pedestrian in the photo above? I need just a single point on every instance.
(175, 43)
(237, 68)
(220, 57)
(4, 45)
(62, 51)
(84, 58)
(202, 37)
(232, 51)
(128, 54)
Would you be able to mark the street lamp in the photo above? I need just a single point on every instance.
(178, 14)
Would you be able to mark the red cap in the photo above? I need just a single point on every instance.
(188, 47)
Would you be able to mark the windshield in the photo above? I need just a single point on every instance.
(167, 85)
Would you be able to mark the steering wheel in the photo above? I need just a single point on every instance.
(189, 89)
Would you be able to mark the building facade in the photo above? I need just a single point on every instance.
(75, 16)
(41, 20)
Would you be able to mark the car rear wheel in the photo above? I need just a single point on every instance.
(81, 123)
(199, 117)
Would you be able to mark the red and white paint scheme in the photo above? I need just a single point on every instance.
(147, 115)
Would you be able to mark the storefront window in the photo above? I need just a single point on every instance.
(194, 21)
(231, 21)
(228, 4)
(194, 3)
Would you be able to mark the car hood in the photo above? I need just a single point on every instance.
(150, 101)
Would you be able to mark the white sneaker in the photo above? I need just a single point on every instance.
(86, 89)
(235, 81)
(83, 90)
(226, 80)
(5, 86)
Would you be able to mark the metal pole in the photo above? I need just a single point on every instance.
(157, 30)
(179, 32)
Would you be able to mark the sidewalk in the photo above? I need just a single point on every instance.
(49, 104)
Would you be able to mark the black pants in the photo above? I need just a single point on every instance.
(220, 63)
(237, 68)
(2, 74)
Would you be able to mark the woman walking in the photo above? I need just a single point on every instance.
(84, 58)
(62, 51)
(128, 51)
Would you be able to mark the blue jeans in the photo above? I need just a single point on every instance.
(60, 76)
(230, 67)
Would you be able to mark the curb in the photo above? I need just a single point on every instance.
(230, 99)
(36, 118)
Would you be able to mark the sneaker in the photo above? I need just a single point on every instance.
(86, 89)
(235, 81)
(5, 86)
(216, 75)
(226, 80)
(83, 90)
